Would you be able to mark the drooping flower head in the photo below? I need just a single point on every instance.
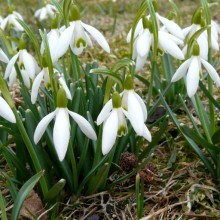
(11, 21)
(47, 11)
(26, 63)
(61, 130)
(77, 36)
(192, 68)
(113, 116)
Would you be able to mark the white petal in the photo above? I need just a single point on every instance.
(53, 37)
(212, 72)
(138, 30)
(140, 61)
(172, 27)
(41, 127)
(215, 44)
(97, 36)
(10, 65)
(105, 112)
(63, 42)
(36, 85)
(12, 77)
(25, 78)
(143, 106)
(135, 114)
(61, 132)
(3, 56)
(181, 71)
(167, 45)
(6, 112)
(84, 125)
(144, 43)
(29, 64)
(110, 130)
(65, 87)
(203, 46)
(192, 78)
(146, 133)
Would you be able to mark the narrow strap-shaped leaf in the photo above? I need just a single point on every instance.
(55, 190)
(23, 193)
(2, 207)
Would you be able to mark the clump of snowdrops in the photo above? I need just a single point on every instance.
(74, 121)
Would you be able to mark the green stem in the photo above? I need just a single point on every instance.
(202, 119)
(150, 92)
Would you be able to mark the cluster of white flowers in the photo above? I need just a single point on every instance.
(127, 105)
(174, 41)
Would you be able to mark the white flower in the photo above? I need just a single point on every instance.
(137, 113)
(3, 56)
(203, 38)
(192, 68)
(52, 38)
(114, 117)
(11, 21)
(45, 12)
(44, 76)
(61, 130)
(144, 40)
(114, 124)
(27, 65)
(6, 112)
(77, 37)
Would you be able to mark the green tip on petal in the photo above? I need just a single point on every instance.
(122, 130)
(79, 42)
(155, 5)
(22, 42)
(116, 100)
(128, 84)
(74, 13)
(196, 49)
(61, 98)
(145, 22)
(197, 17)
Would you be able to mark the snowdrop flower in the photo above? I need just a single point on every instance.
(136, 109)
(3, 56)
(44, 76)
(61, 130)
(192, 69)
(6, 112)
(166, 42)
(115, 112)
(77, 36)
(170, 26)
(26, 63)
(113, 116)
(11, 21)
(48, 11)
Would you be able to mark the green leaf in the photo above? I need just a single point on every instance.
(55, 190)
(216, 137)
(23, 193)
(109, 73)
(122, 64)
(2, 207)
